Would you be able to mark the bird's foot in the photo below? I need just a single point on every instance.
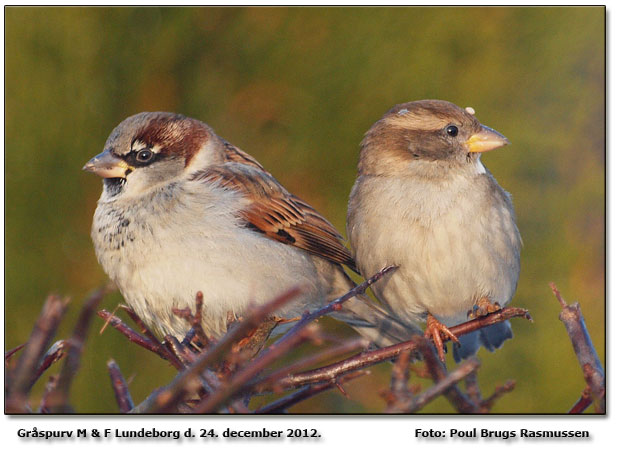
(482, 308)
(438, 332)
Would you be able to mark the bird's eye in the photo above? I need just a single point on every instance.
(144, 155)
(452, 130)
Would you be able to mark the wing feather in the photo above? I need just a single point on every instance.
(275, 212)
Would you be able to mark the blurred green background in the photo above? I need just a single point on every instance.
(297, 88)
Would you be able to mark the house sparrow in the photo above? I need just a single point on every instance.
(183, 211)
(423, 201)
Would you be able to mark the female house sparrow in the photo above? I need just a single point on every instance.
(184, 211)
(424, 201)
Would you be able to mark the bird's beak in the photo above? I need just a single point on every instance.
(106, 165)
(486, 140)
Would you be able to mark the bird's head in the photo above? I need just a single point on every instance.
(422, 133)
(153, 148)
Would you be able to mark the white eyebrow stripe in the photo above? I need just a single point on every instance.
(139, 145)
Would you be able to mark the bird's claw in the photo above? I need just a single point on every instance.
(438, 332)
(482, 308)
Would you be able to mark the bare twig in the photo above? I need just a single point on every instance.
(195, 319)
(336, 304)
(59, 396)
(593, 372)
(128, 332)
(583, 402)
(366, 359)
(441, 387)
(165, 399)
(22, 379)
(270, 382)
(362, 360)
(487, 404)
(473, 389)
(8, 354)
(282, 404)
(55, 353)
(182, 353)
(49, 387)
(437, 370)
(120, 387)
(242, 377)
(490, 319)
(142, 326)
(400, 374)
(151, 344)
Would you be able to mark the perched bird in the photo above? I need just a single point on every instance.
(423, 201)
(183, 211)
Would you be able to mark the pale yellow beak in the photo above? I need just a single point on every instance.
(106, 165)
(486, 140)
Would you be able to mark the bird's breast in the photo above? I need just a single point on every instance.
(454, 243)
(161, 256)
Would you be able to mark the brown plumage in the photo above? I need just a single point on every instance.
(188, 211)
(275, 212)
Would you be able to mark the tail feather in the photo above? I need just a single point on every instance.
(491, 337)
(384, 328)
(375, 323)
(369, 319)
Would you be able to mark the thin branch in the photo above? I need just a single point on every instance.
(461, 402)
(583, 402)
(336, 304)
(128, 332)
(120, 387)
(282, 404)
(369, 358)
(329, 373)
(490, 319)
(487, 404)
(270, 382)
(142, 326)
(22, 379)
(151, 344)
(165, 399)
(473, 389)
(441, 387)
(9, 354)
(196, 331)
(400, 374)
(59, 396)
(593, 372)
(55, 353)
(243, 376)
(49, 387)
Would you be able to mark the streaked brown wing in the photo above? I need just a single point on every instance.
(234, 154)
(278, 214)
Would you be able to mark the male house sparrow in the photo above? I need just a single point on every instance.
(424, 201)
(183, 211)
